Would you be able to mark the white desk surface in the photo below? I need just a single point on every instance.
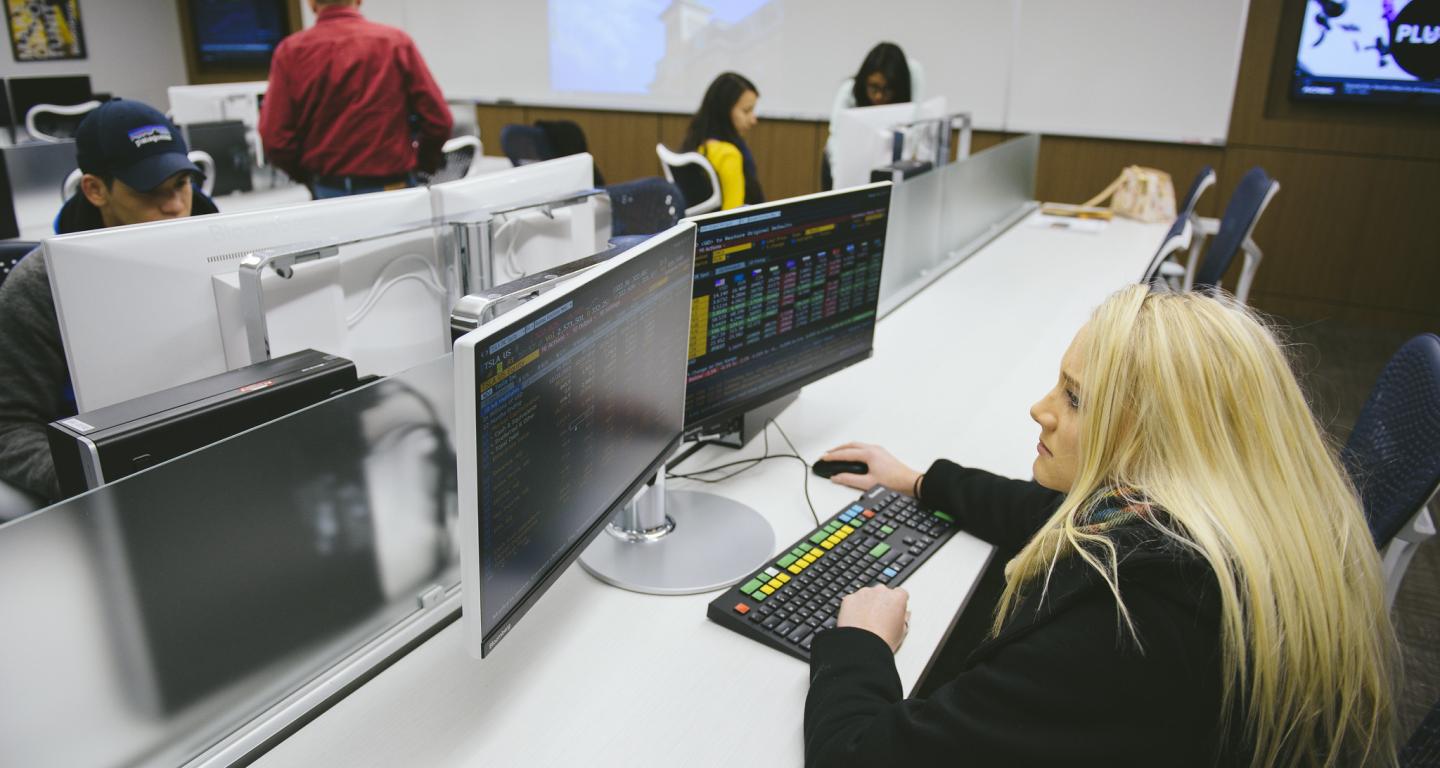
(597, 676)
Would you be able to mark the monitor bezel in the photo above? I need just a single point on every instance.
(478, 642)
(712, 423)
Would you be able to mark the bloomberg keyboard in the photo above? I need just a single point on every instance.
(879, 539)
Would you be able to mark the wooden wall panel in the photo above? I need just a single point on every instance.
(1347, 231)
(1072, 170)
(787, 154)
(623, 143)
(672, 130)
(490, 119)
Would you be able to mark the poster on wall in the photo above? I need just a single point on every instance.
(45, 30)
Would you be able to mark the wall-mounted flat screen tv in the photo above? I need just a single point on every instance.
(237, 33)
(1377, 51)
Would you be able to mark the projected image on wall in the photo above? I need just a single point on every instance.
(1370, 50)
(653, 47)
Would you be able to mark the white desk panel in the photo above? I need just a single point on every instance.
(597, 676)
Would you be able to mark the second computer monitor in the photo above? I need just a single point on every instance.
(784, 294)
(565, 408)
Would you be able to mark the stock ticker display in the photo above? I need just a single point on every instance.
(781, 297)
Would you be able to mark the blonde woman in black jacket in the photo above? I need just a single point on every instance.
(1196, 584)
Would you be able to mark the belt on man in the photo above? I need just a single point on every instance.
(350, 182)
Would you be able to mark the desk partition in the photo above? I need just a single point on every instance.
(938, 219)
(193, 610)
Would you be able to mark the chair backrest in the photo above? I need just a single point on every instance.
(11, 252)
(1242, 213)
(56, 122)
(567, 138)
(1183, 228)
(694, 175)
(525, 144)
(71, 185)
(644, 206)
(1393, 454)
(460, 155)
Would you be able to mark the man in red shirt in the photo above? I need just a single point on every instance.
(336, 116)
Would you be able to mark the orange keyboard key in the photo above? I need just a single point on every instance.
(869, 513)
(742, 608)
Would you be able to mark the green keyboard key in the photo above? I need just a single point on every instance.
(880, 550)
(751, 586)
(818, 537)
(944, 517)
(799, 551)
(833, 526)
(886, 530)
(787, 561)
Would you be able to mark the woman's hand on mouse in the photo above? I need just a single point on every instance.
(885, 469)
(880, 610)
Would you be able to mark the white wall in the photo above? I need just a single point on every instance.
(133, 49)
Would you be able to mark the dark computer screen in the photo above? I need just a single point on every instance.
(784, 294)
(577, 404)
(26, 92)
(231, 33)
(226, 143)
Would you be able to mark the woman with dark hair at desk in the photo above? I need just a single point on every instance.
(886, 76)
(1196, 584)
(726, 115)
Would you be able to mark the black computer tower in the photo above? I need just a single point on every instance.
(226, 143)
(109, 443)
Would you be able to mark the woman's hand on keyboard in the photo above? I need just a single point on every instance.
(885, 469)
(880, 610)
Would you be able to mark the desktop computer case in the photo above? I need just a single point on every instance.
(109, 443)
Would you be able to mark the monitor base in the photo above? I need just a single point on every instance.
(702, 543)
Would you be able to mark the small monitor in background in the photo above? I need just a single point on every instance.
(228, 34)
(26, 92)
(226, 143)
(565, 409)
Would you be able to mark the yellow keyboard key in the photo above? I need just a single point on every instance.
(815, 552)
(767, 589)
(828, 544)
(847, 529)
(796, 568)
(775, 584)
(782, 578)
(808, 558)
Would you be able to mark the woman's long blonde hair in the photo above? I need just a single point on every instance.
(1189, 400)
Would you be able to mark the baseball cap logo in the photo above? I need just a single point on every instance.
(150, 134)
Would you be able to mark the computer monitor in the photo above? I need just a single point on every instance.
(152, 306)
(227, 34)
(26, 92)
(227, 144)
(565, 409)
(785, 293)
(865, 138)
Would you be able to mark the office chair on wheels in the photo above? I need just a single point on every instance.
(695, 177)
(1393, 455)
(1242, 213)
(525, 144)
(644, 206)
(57, 122)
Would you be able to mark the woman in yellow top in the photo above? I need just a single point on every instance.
(727, 113)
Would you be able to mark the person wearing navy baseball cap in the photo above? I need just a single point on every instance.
(136, 169)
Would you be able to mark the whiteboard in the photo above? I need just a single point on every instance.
(1145, 69)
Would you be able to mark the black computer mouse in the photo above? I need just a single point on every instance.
(825, 468)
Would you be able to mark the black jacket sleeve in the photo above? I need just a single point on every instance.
(1073, 690)
(33, 379)
(999, 510)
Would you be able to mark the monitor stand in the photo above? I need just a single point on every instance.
(679, 543)
(685, 542)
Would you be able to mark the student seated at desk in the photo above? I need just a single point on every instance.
(135, 170)
(718, 130)
(1196, 583)
(886, 76)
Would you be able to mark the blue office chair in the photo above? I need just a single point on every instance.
(11, 252)
(1181, 235)
(1393, 454)
(1242, 213)
(694, 175)
(644, 206)
(525, 144)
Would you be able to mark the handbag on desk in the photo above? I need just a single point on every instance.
(1140, 193)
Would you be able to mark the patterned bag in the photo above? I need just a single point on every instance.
(1140, 193)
